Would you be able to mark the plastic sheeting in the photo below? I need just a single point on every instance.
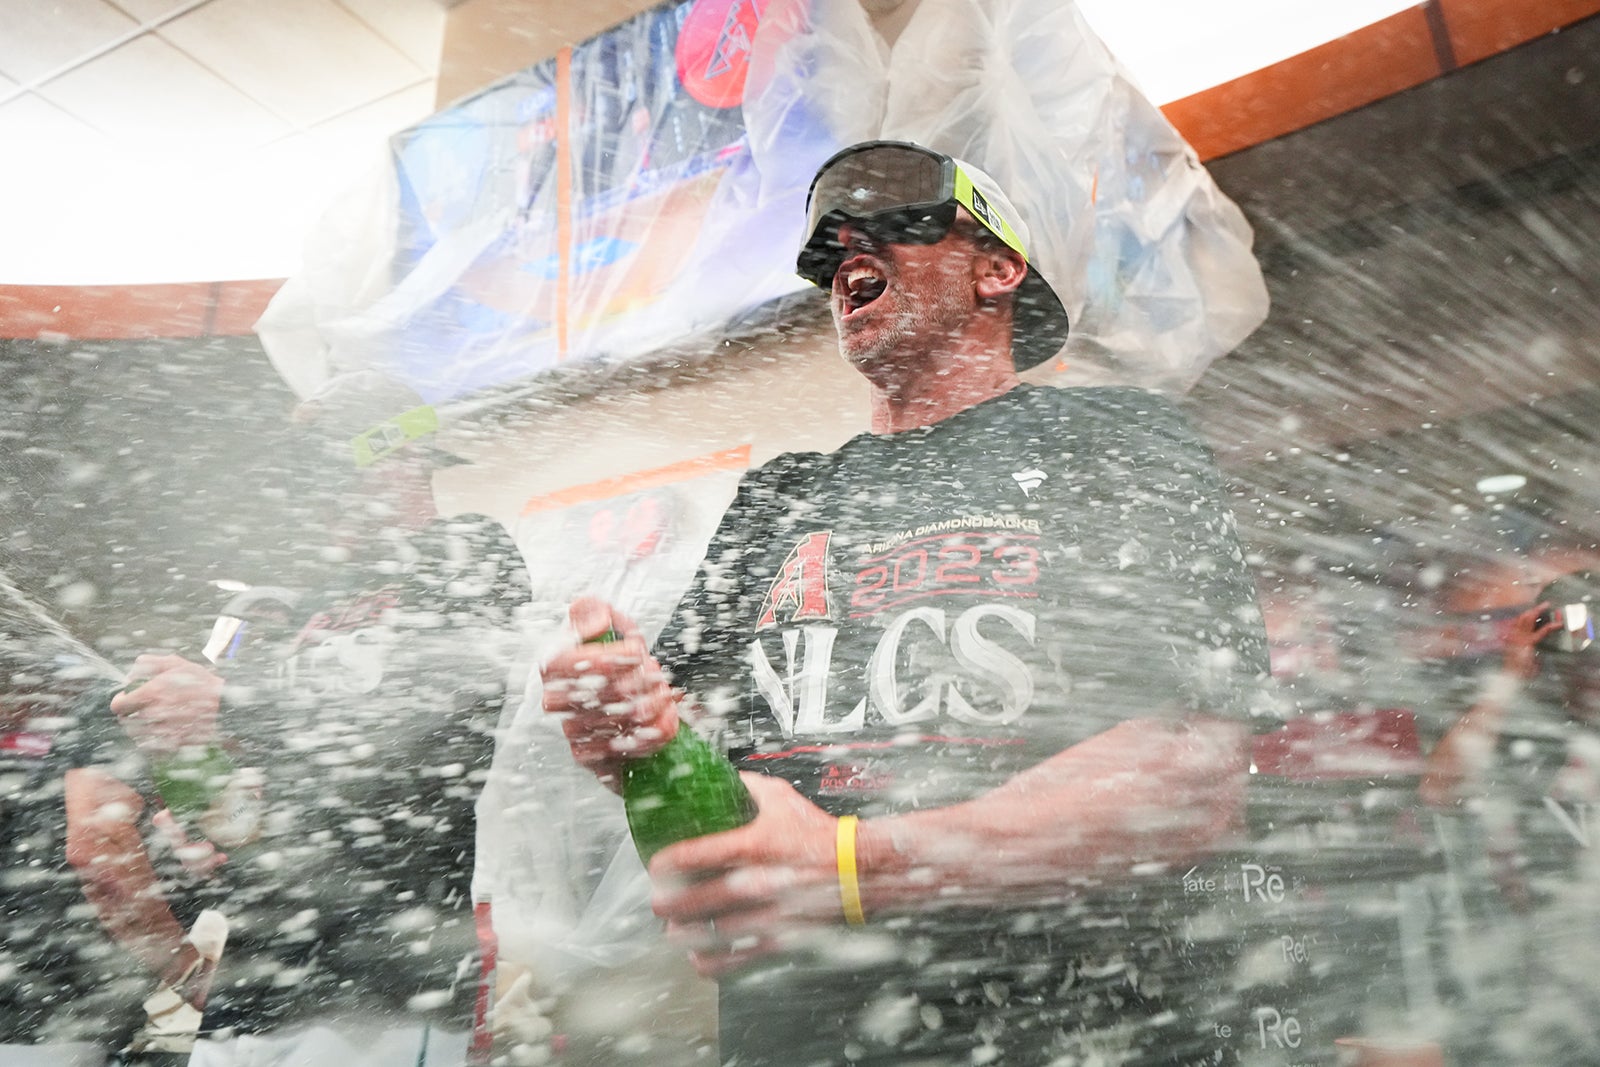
(1152, 261)
(571, 895)
(649, 189)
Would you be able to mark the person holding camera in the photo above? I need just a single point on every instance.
(1519, 772)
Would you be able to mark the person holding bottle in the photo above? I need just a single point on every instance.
(367, 732)
(66, 991)
(988, 672)
(1518, 776)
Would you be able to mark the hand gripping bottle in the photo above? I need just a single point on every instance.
(684, 789)
(201, 785)
(192, 779)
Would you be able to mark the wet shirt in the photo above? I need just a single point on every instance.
(909, 622)
(374, 732)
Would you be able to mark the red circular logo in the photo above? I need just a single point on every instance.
(713, 51)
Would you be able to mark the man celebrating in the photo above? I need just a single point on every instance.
(986, 670)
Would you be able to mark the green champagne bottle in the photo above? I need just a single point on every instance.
(684, 789)
(199, 784)
(202, 784)
(192, 779)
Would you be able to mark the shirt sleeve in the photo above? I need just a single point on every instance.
(703, 647)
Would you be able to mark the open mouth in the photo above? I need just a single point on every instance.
(859, 283)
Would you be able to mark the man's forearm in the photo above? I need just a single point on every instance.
(118, 880)
(1464, 753)
(1143, 793)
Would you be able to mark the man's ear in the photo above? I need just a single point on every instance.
(997, 272)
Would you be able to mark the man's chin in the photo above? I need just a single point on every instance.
(859, 347)
(871, 361)
(879, 348)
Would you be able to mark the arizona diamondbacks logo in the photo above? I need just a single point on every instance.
(801, 587)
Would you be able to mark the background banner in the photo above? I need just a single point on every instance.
(597, 206)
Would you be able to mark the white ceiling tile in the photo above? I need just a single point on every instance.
(361, 137)
(42, 130)
(415, 27)
(148, 92)
(304, 59)
(39, 36)
(149, 10)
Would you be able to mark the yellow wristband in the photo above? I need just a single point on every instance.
(849, 885)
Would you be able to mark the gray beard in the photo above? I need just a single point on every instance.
(889, 340)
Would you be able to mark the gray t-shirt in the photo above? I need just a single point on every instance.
(914, 619)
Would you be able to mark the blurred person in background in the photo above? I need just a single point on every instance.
(1521, 767)
(147, 892)
(63, 983)
(343, 864)
(988, 670)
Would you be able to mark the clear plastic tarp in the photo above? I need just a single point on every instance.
(646, 190)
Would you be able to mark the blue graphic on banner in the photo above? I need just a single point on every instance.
(664, 228)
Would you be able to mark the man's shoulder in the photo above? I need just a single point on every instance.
(1109, 401)
(468, 543)
(1108, 417)
(466, 533)
(787, 474)
(788, 463)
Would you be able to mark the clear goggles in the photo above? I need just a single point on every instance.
(893, 192)
(1575, 631)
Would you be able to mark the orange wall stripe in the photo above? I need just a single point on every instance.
(1388, 57)
(563, 195)
(731, 459)
(1483, 28)
(240, 304)
(1376, 61)
(111, 312)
